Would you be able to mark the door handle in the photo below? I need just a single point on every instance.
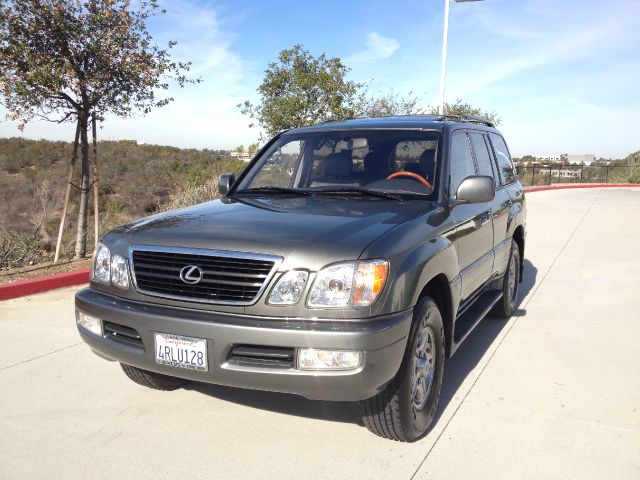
(507, 204)
(484, 217)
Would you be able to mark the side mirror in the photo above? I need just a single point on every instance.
(476, 189)
(225, 183)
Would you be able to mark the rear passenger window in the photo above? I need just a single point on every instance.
(461, 161)
(505, 166)
(482, 154)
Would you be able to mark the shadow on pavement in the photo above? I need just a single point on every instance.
(456, 370)
(458, 367)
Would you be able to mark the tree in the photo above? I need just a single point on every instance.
(253, 149)
(301, 90)
(368, 105)
(69, 60)
(462, 108)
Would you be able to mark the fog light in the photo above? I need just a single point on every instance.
(89, 322)
(312, 359)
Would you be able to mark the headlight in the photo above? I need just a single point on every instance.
(355, 284)
(119, 272)
(102, 264)
(289, 288)
(332, 286)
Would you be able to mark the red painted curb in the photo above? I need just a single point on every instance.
(22, 288)
(591, 185)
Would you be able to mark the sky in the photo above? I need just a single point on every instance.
(564, 76)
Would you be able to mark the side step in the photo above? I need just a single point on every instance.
(466, 322)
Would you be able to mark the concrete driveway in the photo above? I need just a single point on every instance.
(554, 392)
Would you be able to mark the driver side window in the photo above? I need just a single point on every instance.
(461, 161)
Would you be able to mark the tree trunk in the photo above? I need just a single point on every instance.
(96, 218)
(81, 236)
(67, 192)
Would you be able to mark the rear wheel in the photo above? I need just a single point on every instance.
(157, 381)
(405, 409)
(507, 304)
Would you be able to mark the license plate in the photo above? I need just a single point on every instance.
(181, 351)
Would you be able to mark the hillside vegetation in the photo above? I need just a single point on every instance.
(134, 181)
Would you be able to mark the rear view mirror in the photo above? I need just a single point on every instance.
(225, 183)
(476, 189)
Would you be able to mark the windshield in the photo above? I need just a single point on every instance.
(364, 162)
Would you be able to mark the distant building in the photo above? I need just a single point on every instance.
(548, 158)
(244, 156)
(578, 158)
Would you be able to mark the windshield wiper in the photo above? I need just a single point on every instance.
(269, 190)
(356, 191)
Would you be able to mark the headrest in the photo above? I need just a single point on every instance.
(428, 159)
(338, 165)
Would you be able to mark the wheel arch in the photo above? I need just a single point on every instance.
(439, 289)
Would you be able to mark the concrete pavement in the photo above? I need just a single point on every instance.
(554, 392)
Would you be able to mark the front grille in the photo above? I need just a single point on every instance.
(122, 334)
(226, 278)
(262, 356)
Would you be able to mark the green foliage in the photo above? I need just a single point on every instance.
(301, 90)
(368, 105)
(197, 175)
(60, 57)
(462, 108)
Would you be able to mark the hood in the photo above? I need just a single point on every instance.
(307, 232)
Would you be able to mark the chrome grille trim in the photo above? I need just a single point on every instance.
(226, 254)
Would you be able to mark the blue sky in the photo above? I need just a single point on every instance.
(564, 76)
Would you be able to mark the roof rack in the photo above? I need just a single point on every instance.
(467, 118)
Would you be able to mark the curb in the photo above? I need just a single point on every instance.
(22, 288)
(591, 185)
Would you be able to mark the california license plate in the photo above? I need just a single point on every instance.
(181, 351)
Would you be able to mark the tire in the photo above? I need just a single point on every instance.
(156, 381)
(510, 282)
(399, 412)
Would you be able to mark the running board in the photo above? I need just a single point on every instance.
(466, 322)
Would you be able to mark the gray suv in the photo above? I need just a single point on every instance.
(346, 262)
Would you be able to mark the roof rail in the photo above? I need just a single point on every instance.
(467, 118)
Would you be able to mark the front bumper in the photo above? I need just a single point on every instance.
(383, 340)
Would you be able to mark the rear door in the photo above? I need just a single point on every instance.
(511, 196)
(474, 230)
(501, 203)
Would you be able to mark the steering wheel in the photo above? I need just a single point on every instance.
(415, 176)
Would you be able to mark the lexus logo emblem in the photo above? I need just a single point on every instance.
(191, 274)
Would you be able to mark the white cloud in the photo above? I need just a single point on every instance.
(378, 47)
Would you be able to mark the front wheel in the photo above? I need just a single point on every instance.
(404, 410)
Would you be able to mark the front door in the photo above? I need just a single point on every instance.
(474, 225)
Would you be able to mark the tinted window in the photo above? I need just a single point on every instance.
(505, 166)
(461, 160)
(482, 154)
